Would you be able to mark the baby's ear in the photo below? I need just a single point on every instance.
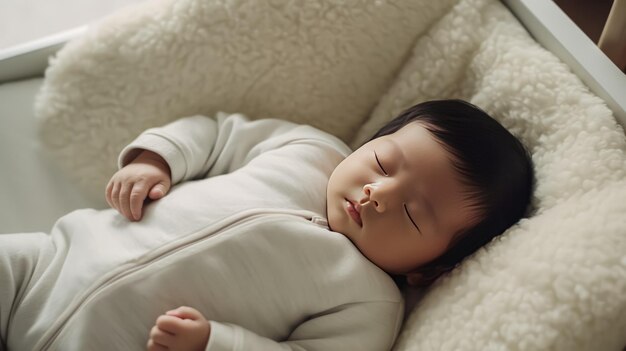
(414, 279)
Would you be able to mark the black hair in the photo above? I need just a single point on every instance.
(491, 162)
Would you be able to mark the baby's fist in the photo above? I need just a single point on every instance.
(182, 329)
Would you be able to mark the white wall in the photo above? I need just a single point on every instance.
(26, 20)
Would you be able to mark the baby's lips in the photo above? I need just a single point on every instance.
(355, 204)
(357, 207)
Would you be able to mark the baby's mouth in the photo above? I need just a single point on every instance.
(353, 210)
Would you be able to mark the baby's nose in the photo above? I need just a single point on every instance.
(375, 195)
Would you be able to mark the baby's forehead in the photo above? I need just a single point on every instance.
(417, 129)
(419, 144)
(416, 136)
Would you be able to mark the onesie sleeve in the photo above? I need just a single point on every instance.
(357, 326)
(199, 146)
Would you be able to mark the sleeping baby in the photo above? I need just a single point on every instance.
(265, 235)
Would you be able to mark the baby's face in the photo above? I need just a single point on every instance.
(399, 200)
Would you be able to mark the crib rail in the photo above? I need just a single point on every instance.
(553, 29)
(613, 38)
(31, 58)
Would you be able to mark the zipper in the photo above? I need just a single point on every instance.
(320, 221)
(46, 341)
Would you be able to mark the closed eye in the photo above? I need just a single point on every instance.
(412, 221)
(379, 164)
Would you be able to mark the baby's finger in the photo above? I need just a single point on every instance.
(107, 192)
(186, 312)
(137, 195)
(153, 346)
(170, 324)
(161, 336)
(158, 191)
(124, 200)
(115, 194)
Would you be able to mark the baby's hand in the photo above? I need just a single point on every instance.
(147, 175)
(182, 329)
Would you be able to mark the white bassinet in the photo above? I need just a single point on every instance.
(555, 281)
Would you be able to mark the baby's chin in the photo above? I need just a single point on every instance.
(332, 223)
(335, 222)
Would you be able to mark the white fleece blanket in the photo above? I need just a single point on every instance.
(555, 281)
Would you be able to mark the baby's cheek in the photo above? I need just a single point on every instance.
(376, 250)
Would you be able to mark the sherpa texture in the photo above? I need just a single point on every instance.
(324, 63)
(555, 281)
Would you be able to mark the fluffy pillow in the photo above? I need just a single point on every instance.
(323, 62)
(557, 280)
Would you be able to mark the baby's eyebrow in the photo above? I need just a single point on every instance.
(398, 150)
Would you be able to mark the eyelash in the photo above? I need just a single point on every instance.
(379, 164)
(411, 219)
